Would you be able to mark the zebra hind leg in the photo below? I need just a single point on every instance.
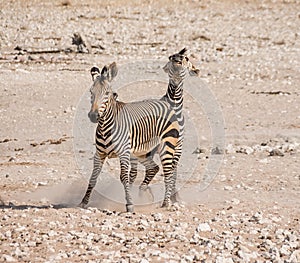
(168, 177)
(98, 163)
(175, 196)
(151, 170)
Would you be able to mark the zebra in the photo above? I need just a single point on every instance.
(130, 129)
(176, 68)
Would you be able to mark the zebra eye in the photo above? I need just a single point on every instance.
(92, 97)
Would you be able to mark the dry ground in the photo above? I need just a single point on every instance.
(249, 57)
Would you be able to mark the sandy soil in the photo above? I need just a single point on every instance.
(248, 54)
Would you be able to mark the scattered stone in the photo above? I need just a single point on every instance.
(157, 217)
(228, 188)
(203, 227)
(276, 152)
(295, 256)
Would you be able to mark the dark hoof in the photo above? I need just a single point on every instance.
(175, 198)
(146, 189)
(143, 187)
(82, 205)
(166, 205)
(129, 208)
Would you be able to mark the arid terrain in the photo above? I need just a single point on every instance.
(240, 201)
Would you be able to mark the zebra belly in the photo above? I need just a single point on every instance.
(143, 148)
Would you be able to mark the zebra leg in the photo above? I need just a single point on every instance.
(168, 187)
(174, 193)
(167, 164)
(151, 170)
(98, 163)
(178, 151)
(125, 180)
(133, 170)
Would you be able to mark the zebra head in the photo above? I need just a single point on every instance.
(179, 63)
(101, 92)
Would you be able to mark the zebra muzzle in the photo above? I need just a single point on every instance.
(93, 116)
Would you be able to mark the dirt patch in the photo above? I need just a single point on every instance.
(248, 55)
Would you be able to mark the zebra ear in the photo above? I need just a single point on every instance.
(95, 71)
(115, 95)
(104, 71)
(110, 72)
(193, 71)
(166, 67)
(113, 71)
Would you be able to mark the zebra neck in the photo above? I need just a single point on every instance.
(108, 114)
(174, 93)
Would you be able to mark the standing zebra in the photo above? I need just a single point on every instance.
(176, 68)
(130, 129)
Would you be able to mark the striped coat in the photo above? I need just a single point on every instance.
(127, 130)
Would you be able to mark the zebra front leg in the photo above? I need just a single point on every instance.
(126, 181)
(174, 193)
(98, 163)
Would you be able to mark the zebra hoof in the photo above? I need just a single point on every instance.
(166, 205)
(143, 187)
(129, 208)
(175, 198)
(82, 205)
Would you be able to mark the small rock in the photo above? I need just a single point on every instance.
(244, 256)
(9, 258)
(228, 188)
(155, 253)
(276, 152)
(274, 254)
(220, 259)
(295, 257)
(292, 237)
(119, 235)
(247, 150)
(230, 149)
(229, 245)
(235, 201)
(264, 160)
(203, 227)
(285, 250)
(144, 222)
(216, 150)
(157, 217)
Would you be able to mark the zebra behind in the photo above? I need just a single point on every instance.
(130, 129)
(177, 67)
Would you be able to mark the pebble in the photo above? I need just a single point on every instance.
(157, 217)
(9, 258)
(295, 256)
(273, 149)
(203, 227)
